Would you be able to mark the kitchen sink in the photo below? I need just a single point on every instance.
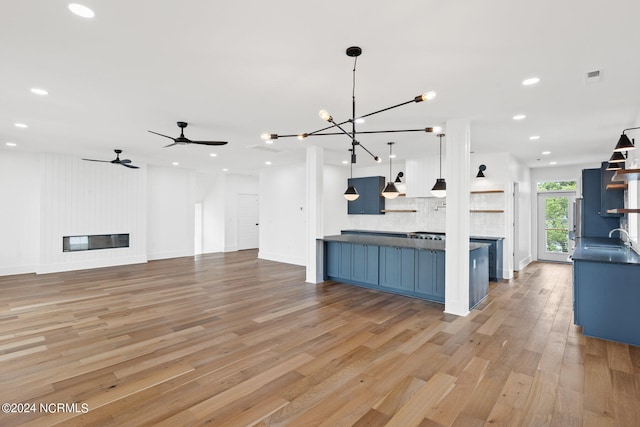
(605, 247)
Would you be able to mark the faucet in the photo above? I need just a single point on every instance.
(627, 241)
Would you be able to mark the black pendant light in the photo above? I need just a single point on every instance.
(614, 166)
(351, 194)
(624, 143)
(440, 187)
(390, 191)
(617, 157)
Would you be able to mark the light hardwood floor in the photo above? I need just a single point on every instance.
(230, 340)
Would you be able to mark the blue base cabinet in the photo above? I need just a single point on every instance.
(495, 257)
(364, 263)
(397, 268)
(430, 274)
(412, 272)
(606, 299)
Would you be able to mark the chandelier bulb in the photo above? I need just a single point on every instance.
(303, 136)
(427, 96)
(268, 136)
(324, 115)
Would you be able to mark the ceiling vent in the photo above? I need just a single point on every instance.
(265, 148)
(594, 76)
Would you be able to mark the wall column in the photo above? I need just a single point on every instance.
(457, 143)
(314, 187)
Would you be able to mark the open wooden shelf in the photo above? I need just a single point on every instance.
(623, 210)
(487, 191)
(617, 186)
(486, 210)
(626, 175)
(398, 210)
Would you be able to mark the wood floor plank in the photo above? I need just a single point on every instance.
(228, 339)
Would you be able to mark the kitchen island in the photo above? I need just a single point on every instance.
(411, 267)
(495, 245)
(606, 289)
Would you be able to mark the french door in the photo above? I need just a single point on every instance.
(555, 220)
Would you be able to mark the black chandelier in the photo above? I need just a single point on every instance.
(354, 52)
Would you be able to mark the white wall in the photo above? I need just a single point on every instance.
(171, 205)
(334, 204)
(19, 212)
(83, 198)
(282, 215)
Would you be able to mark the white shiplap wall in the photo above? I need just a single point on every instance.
(79, 198)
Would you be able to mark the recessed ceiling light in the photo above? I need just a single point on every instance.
(267, 163)
(10, 144)
(175, 164)
(213, 155)
(360, 120)
(546, 152)
(39, 91)
(531, 81)
(392, 156)
(534, 137)
(81, 10)
(553, 163)
(345, 162)
(225, 170)
(519, 117)
(20, 125)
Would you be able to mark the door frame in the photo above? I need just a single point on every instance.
(542, 254)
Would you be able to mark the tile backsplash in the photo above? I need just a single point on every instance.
(430, 215)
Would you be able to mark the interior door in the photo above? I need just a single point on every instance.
(248, 221)
(555, 219)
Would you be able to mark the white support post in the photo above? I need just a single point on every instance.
(314, 187)
(457, 143)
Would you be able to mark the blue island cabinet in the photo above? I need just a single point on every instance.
(430, 274)
(364, 263)
(339, 260)
(397, 268)
(352, 262)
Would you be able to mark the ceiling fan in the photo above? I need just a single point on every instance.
(117, 160)
(183, 140)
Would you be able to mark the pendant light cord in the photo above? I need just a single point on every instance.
(440, 175)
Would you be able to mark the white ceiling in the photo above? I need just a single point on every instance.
(234, 70)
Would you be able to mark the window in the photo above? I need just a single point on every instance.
(556, 186)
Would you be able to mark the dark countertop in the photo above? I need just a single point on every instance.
(601, 249)
(427, 232)
(402, 242)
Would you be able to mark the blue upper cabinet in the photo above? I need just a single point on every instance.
(609, 198)
(370, 201)
(594, 224)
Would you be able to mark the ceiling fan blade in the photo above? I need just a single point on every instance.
(130, 166)
(166, 136)
(102, 161)
(125, 161)
(210, 142)
(170, 145)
